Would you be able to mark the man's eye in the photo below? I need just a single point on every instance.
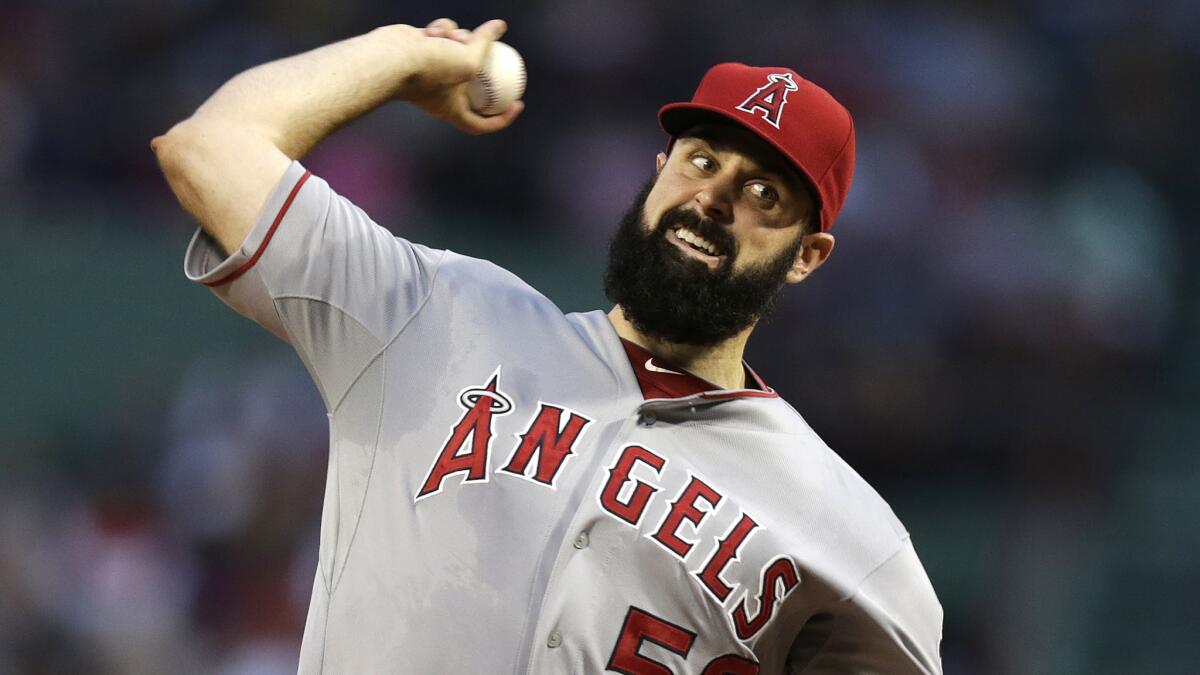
(764, 192)
(703, 162)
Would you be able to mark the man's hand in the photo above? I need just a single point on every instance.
(446, 58)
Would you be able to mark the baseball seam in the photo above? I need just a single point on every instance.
(489, 90)
(492, 92)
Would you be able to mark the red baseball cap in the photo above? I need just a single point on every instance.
(798, 118)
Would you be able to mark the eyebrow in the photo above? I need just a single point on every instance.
(768, 164)
(771, 165)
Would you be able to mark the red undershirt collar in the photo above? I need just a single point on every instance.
(661, 379)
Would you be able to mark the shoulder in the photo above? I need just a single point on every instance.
(473, 292)
(843, 515)
(468, 269)
(470, 279)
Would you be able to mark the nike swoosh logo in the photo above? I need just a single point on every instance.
(650, 366)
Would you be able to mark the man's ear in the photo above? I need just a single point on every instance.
(659, 162)
(813, 253)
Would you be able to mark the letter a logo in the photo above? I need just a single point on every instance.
(480, 403)
(770, 98)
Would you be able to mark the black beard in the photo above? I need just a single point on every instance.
(670, 296)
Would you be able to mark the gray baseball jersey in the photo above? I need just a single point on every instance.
(502, 499)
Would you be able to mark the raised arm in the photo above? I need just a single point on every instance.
(224, 160)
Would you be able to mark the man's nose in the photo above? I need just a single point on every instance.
(715, 200)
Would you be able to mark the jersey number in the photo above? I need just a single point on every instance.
(641, 626)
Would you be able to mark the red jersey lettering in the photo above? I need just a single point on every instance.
(639, 627)
(550, 439)
(782, 570)
(481, 404)
(685, 508)
(631, 510)
(727, 550)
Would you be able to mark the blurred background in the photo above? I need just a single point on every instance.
(1006, 342)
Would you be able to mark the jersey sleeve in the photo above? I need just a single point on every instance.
(891, 624)
(900, 599)
(317, 272)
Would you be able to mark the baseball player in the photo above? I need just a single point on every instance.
(515, 490)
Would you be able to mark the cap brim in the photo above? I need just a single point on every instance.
(676, 118)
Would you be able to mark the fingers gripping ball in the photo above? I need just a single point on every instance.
(500, 81)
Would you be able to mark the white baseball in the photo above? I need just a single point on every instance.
(500, 81)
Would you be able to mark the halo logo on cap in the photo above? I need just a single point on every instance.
(770, 98)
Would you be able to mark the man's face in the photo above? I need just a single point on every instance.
(708, 244)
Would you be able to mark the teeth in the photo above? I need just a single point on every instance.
(695, 240)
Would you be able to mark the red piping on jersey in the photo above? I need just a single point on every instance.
(739, 393)
(287, 203)
(759, 381)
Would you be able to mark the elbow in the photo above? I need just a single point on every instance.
(174, 148)
(158, 145)
(182, 158)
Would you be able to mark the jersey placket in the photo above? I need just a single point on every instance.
(547, 653)
(552, 644)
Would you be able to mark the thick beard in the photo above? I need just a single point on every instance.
(669, 296)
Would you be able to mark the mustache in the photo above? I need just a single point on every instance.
(705, 227)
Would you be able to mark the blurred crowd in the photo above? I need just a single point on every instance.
(1006, 342)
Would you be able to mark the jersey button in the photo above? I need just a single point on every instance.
(554, 640)
(648, 419)
(581, 541)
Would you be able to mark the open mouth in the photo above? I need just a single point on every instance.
(694, 245)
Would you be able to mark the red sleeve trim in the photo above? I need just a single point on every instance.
(287, 203)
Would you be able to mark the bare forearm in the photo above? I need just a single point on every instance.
(296, 102)
(224, 160)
